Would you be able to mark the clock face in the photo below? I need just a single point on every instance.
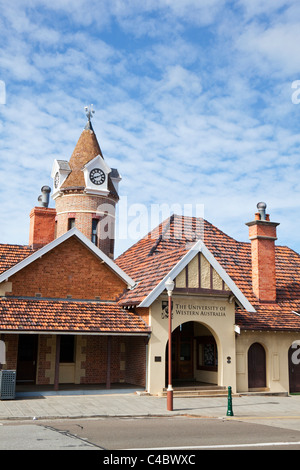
(97, 176)
(56, 180)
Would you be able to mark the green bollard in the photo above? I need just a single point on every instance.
(229, 407)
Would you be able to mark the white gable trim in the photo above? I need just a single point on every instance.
(199, 247)
(45, 249)
(90, 188)
(98, 159)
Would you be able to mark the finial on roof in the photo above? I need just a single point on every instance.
(89, 111)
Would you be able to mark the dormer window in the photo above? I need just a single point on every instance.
(60, 171)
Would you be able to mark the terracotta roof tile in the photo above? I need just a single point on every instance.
(12, 254)
(24, 314)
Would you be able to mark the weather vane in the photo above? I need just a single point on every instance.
(89, 111)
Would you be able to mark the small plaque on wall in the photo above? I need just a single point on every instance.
(157, 358)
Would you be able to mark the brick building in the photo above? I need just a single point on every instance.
(61, 316)
(72, 314)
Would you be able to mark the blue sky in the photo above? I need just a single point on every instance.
(194, 104)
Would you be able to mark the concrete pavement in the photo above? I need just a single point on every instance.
(282, 411)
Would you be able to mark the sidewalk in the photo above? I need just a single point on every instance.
(126, 403)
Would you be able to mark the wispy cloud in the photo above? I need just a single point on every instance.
(193, 103)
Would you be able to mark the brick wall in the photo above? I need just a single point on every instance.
(11, 344)
(128, 360)
(44, 364)
(95, 360)
(136, 360)
(68, 269)
(84, 208)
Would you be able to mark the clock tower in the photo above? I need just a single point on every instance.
(85, 190)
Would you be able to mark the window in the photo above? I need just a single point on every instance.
(111, 246)
(71, 223)
(67, 348)
(207, 357)
(95, 223)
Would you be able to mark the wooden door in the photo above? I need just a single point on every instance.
(182, 353)
(294, 368)
(185, 359)
(256, 366)
(27, 358)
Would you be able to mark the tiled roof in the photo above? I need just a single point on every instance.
(150, 260)
(283, 316)
(27, 314)
(12, 254)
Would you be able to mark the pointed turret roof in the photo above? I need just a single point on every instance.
(86, 149)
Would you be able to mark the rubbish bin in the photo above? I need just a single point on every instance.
(7, 384)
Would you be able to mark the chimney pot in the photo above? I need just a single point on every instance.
(261, 206)
(46, 190)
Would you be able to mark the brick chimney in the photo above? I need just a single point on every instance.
(262, 234)
(42, 222)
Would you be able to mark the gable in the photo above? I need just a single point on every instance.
(209, 276)
(72, 266)
(200, 276)
(69, 270)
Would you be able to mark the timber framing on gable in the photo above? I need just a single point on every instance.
(199, 277)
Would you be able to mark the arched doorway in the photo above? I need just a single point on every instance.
(194, 355)
(256, 366)
(294, 367)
